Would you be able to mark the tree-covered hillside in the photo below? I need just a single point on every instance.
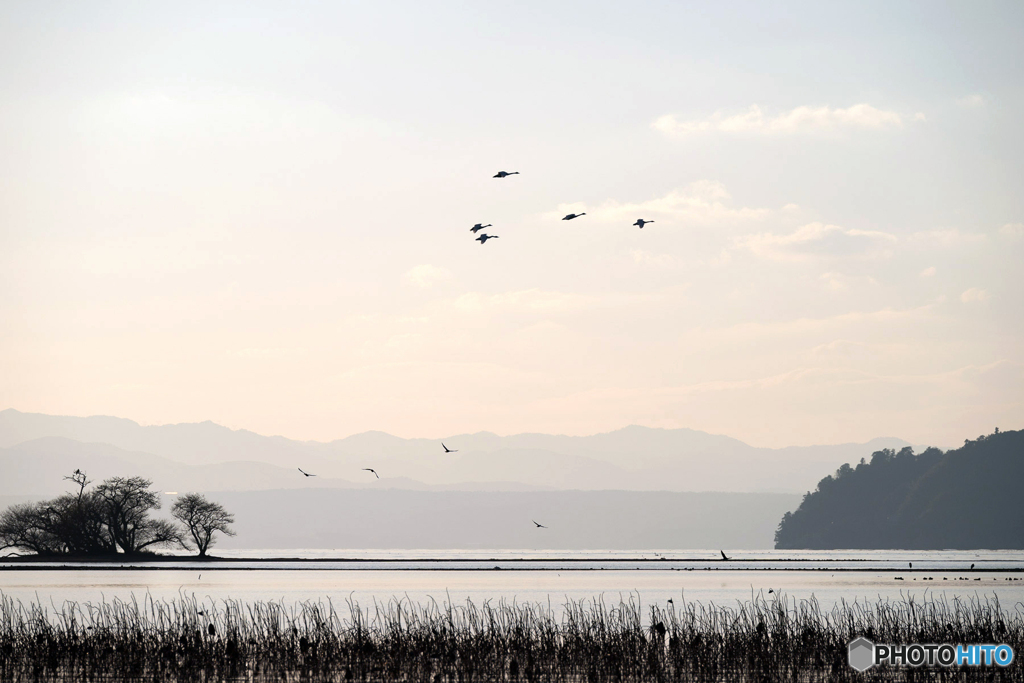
(969, 497)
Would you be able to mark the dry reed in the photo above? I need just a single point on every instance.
(757, 640)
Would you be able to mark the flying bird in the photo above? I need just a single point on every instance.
(482, 239)
(478, 227)
(370, 469)
(539, 525)
(305, 472)
(449, 450)
(570, 216)
(723, 555)
(503, 174)
(640, 223)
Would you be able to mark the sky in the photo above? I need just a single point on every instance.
(258, 214)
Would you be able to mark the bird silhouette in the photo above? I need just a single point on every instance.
(503, 174)
(478, 227)
(449, 450)
(482, 239)
(972, 565)
(78, 471)
(911, 564)
(723, 555)
(770, 590)
(570, 216)
(539, 525)
(305, 472)
(640, 223)
(370, 469)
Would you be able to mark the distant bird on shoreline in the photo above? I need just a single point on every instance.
(370, 469)
(539, 525)
(570, 216)
(505, 174)
(640, 223)
(449, 450)
(305, 472)
(478, 227)
(482, 239)
(723, 555)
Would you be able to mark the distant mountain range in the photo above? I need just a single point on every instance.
(36, 449)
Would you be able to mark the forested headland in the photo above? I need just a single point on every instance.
(969, 497)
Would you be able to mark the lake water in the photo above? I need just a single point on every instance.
(548, 577)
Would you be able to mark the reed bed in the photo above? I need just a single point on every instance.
(763, 639)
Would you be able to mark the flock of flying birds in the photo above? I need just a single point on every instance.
(482, 239)
(446, 450)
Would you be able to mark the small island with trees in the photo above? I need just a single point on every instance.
(111, 519)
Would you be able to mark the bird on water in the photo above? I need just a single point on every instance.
(504, 174)
(570, 216)
(482, 239)
(305, 472)
(478, 227)
(640, 223)
(723, 555)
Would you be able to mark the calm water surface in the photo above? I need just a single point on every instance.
(554, 577)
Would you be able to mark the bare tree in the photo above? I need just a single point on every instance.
(126, 504)
(202, 518)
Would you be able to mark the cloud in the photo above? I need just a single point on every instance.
(975, 295)
(816, 240)
(704, 201)
(426, 275)
(646, 258)
(927, 272)
(972, 101)
(799, 120)
(841, 282)
(947, 238)
(1012, 230)
(528, 300)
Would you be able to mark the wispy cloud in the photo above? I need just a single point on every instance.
(816, 240)
(973, 101)
(801, 119)
(975, 295)
(1013, 230)
(426, 275)
(704, 201)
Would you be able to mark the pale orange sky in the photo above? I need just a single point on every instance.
(260, 217)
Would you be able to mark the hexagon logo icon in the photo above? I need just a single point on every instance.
(862, 654)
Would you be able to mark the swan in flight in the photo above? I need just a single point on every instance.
(482, 239)
(640, 222)
(478, 227)
(570, 216)
(503, 174)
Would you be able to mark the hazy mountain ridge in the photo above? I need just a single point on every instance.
(632, 458)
